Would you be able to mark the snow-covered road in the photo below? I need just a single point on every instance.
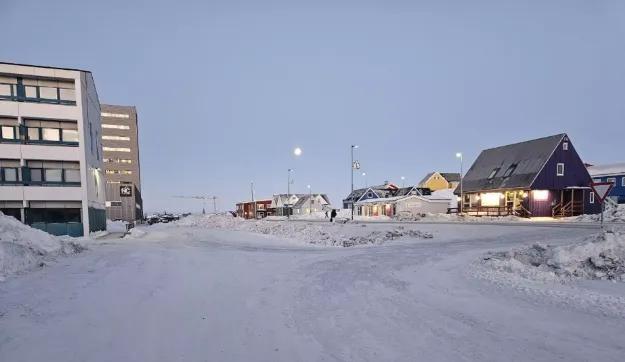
(185, 294)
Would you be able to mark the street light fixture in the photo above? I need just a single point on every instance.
(459, 155)
(354, 166)
(364, 174)
(402, 181)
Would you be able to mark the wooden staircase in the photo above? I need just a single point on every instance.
(571, 208)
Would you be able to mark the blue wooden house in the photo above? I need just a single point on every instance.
(541, 177)
(614, 173)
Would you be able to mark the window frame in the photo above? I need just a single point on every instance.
(565, 146)
(3, 179)
(611, 180)
(558, 165)
(16, 134)
(592, 197)
(493, 173)
(510, 170)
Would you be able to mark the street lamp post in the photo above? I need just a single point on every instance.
(402, 181)
(353, 166)
(309, 200)
(459, 155)
(288, 193)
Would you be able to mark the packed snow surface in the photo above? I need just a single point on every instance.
(612, 213)
(22, 247)
(219, 289)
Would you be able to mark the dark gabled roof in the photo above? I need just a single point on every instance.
(426, 178)
(529, 158)
(451, 176)
(302, 200)
(379, 190)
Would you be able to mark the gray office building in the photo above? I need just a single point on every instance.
(120, 146)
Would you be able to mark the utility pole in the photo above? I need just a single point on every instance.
(459, 155)
(353, 167)
(288, 194)
(253, 201)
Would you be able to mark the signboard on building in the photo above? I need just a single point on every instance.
(125, 191)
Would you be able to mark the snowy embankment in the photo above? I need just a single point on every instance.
(326, 234)
(612, 213)
(23, 248)
(600, 257)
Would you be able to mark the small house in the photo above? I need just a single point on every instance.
(374, 192)
(257, 209)
(541, 177)
(440, 181)
(308, 204)
(613, 173)
(403, 205)
(282, 204)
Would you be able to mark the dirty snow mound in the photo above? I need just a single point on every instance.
(22, 247)
(612, 213)
(600, 257)
(312, 233)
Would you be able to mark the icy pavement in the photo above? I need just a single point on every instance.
(188, 293)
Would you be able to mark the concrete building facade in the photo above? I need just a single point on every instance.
(120, 144)
(51, 169)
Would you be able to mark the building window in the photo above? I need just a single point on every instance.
(48, 131)
(70, 135)
(116, 138)
(560, 169)
(116, 149)
(114, 115)
(612, 180)
(53, 175)
(595, 180)
(493, 173)
(623, 181)
(510, 170)
(8, 133)
(115, 126)
(40, 90)
(565, 146)
(51, 134)
(113, 203)
(9, 175)
(592, 197)
(53, 172)
(117, 160)
(118, 172)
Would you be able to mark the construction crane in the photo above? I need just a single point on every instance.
(203, 198)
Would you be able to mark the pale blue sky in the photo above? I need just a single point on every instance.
(226, 89)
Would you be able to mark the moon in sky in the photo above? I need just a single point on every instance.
(297, 151)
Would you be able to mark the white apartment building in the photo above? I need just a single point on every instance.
(51, 170)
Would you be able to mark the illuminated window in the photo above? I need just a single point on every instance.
(116, 138)
(565, 146)
(115, 126)
(119, 172)
(117, 160)
(116, 149)
(8, 132)
(51, 134)
(490, 199)
(115, 115)
(540, 195)
(560, 169)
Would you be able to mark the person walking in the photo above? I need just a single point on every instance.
(333, 215)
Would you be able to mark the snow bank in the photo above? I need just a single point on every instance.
(327, 234)
(22, 247)
(612, 213)
(116, 226)
(600, 257)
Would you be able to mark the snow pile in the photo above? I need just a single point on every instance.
(116, 226)
(22, 247)
(600, 257)
(327, 234)
(460, 218)
(612, 213)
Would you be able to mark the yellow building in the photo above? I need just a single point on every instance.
(440, 181)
